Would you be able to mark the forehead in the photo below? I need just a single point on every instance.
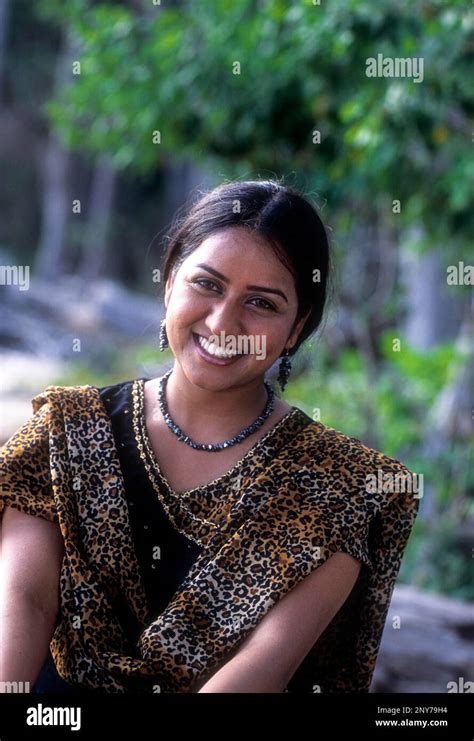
(237, 252)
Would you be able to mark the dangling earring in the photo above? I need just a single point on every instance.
(284, 370)
(163, 336)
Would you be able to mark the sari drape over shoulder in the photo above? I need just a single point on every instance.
(264, 535)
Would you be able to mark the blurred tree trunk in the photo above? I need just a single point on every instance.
(183, 177)
(432, 315)
(55, 210)
(369, 271)
(53, 168)
(98, 220)
(450, 420)
(4, 7)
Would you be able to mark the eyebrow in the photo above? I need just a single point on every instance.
(263, 289)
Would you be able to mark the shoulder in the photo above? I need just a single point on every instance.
(353, 471)
(334, 449)
(81, 395)
(55, 394)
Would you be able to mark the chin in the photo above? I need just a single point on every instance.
(213, 378)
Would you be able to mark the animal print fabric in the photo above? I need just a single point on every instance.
(296, 499)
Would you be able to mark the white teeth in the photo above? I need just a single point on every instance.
(211, 348)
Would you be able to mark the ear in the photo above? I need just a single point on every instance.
(293, 338)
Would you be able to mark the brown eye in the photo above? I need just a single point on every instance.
(267, 304)
(204, 280)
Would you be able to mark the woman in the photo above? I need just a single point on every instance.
(199, 533)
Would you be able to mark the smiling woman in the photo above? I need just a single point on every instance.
(215, 538)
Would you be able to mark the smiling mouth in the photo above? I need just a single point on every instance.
(212, 351)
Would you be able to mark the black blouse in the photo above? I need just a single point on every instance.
(164, 555)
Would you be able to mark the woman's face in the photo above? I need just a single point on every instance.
(219, 300)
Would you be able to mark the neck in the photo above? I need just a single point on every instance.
(215, 413)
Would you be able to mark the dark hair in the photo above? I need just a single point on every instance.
(284, 217)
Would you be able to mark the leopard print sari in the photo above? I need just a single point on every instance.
(302, 496)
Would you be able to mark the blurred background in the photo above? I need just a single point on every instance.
(114, 116)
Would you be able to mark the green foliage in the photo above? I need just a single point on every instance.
(434, 560)
(302, 68)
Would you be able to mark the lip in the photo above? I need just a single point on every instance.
(210, 358)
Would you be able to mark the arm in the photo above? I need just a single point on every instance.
(270, 655)
(30, 563)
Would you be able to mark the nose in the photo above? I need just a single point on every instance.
(224, 317)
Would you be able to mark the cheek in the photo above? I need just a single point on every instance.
(276, 331)
(184, 307)
(271, 336)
